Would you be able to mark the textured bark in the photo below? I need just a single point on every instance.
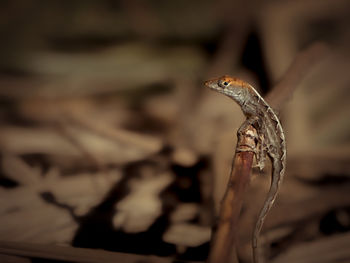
(223, 247)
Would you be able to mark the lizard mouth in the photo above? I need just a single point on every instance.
(212, 84)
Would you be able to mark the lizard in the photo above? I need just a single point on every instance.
(271, 139)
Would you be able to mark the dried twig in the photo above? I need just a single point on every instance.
(143, 19)
(223, 242)
(72, 254)
(229, 49)
(320, 251)
(238, 19)
(300, 67)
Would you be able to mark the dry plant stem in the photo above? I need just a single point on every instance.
(300, 67)
(223, 247)
(226, 57)
(143, 18)
(237, 19)
(72, 254)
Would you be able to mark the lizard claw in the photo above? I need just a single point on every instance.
(259, 165)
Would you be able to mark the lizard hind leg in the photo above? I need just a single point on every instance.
(253, 121)
(260, 155)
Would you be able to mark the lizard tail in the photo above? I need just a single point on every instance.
(272, 194)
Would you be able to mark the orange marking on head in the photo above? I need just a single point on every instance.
(234, 81)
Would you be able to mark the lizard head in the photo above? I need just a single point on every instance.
(231, 87)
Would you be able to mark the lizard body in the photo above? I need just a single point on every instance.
(271, 138)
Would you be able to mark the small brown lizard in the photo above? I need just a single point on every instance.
(271, 138)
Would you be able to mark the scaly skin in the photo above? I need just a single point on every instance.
(272, 140)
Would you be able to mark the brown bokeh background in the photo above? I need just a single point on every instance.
(109, 140)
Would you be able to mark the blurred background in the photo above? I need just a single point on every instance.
(109, 140)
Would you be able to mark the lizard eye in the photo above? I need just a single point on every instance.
(223, 84)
